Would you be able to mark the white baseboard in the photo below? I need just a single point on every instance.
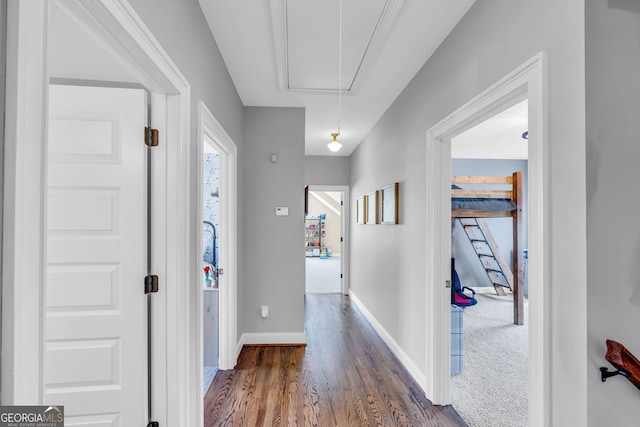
(413, 369)
(272, 338)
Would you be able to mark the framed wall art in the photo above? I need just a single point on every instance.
(372, 208)
(390, 204)
(361, 207)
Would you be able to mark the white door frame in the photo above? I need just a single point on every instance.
(122, 32)
(344, 256)
(209, 129)
(527, 81)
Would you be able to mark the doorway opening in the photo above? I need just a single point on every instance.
(210, 261)
(214, 257)
(527, 81)
(325, 237)
(489, 352)
(323, 246)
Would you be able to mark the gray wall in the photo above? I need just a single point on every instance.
(273, 246)
(183, 32)
(467, 264)
(387, 263)
(613, 234)
(326, 170)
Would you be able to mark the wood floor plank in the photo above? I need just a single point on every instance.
(345, 376)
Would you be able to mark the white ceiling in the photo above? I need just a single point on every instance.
(285, 53)
(499, 137)
(74, 54)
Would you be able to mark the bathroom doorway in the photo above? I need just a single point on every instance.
(215, 257)
(211, 269)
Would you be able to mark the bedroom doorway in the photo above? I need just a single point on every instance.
(528, 81)
(325, 239)
(489, 351)
(323, 245)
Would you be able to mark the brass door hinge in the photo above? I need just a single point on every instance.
(151, 137)
(150, 284)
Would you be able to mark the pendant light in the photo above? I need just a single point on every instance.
(334, 145)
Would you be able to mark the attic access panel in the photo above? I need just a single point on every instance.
(311, 41)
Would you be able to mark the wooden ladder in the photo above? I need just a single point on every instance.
(488, 253)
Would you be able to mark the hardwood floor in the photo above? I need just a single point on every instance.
(345, 376)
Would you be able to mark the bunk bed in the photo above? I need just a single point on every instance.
(490, 203)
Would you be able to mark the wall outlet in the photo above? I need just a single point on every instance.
(264, 311)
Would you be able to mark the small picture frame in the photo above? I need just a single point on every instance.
(361, 208)
(390, 204)
(372, 208)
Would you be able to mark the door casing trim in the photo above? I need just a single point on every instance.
(527, 81)
(210, 129)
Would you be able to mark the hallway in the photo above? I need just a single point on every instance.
(345, 376)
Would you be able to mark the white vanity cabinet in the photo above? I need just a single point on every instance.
(210, 327)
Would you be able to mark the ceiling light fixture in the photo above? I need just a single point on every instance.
(334, 145)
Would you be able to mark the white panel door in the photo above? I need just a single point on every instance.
(96, 330)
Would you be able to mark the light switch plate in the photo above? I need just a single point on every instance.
(282, 211)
